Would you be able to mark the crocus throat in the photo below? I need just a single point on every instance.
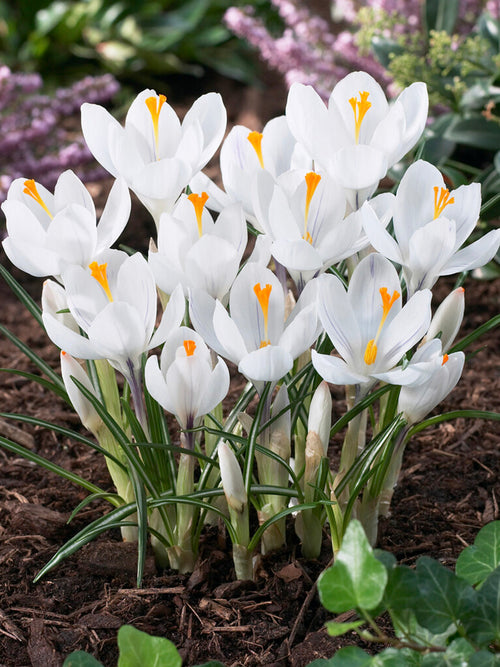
(263, 294)
(312, 180)
(154, 105)
(98, 272)
(190, 347)
(198, 201)
(441, 200)
(255, 138)
(387, 303)
(31, 191)
(359, 108)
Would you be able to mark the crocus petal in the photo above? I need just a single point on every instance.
(335, 370)
(474, 255)
(70, 341)
(171, 318)
(156, 385)
(268, 364)
(70, 190)
(228, 334)
(114, 216)
(338, 317)
(96, 124)
(215, 390)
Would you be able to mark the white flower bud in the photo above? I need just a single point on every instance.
(447, 319)
(232, 478)
(85, 410)
(320, 414)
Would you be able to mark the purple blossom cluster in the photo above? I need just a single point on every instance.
(311, 51)
(38, 136)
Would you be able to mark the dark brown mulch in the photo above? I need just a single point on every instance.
(447, 491)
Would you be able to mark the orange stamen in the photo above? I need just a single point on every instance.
(359, 107)
(154, 105)
(98, 272)
(445, 359)
(441, 201)
(31, 190)
(263, 294)
(255, 138)
(190, 347)
(198, 201)
(312, 180)
(387, 303)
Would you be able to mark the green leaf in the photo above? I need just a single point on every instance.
(336, 629)
(443, 598)
(81, 659)
(484, 659)
(476, 562)
(441, 15)
(351, 656)
(457, 655)
(482, 622)
(393, 657)
(475, 131)
(357, 580)
(400, 595)
(138, 649)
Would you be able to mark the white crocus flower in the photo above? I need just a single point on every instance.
(115, 306)
(49, 232)
(186, 382)
(195, 251)
(255, 335)
(430, 226)
(245, 153)
(447, 319)
(427, 380)
(156, 153)
(303, 213)
(368, 325)
(359, 136)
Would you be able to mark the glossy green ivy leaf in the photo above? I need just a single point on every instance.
(476, 562)
(138, 649)
(443, 598)
(482, 623)
(484, 659)
(457, 655)
(357, 580)
(81, 659)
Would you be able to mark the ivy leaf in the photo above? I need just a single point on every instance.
(484, 659)
(457, 655)
(476, 562)
(81, 659)
(357, 579)
(482, 623)
(443, 598)
(138, 649)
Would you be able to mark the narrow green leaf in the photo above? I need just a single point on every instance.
(443, 598)
(47, 384)
(441, 15)
(476, 562)
(357, 580)
(138, 649)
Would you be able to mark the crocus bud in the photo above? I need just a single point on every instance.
(232, 478)
(320, 415)
(447, 319)
(84, 408)
(417, 400)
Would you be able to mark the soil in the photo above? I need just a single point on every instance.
(448, 490)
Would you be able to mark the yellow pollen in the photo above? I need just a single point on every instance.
(441, 200)
(98, 272)
(31, 191)
(387, 303)
(255, 138)
(359, 108)
(190, 347)
(263, 294)
(445, 359)
(154, 105)
(198, 201)
(312, 180)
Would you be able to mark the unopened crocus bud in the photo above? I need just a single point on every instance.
(444, 371)
(320, 415)
(232, 478)
(447, 319)
(88, 416)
